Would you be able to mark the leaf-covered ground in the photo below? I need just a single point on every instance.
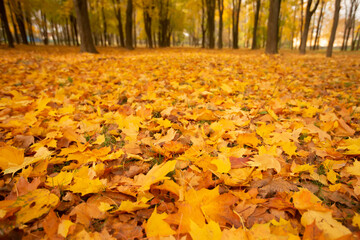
(178, 144)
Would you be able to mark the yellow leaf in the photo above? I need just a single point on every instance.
(209, 231)
(302, 168)
(34, 204)
(156, 174)
(10, 157)
(63, 179)
(222, 163)
(289, 148)
(332, 176)
(304, 200)
(128, 206)
(167, 138)
(356, 220)
(335, 187)
(86, 185)
(265, 162)
(64, 226)
(355, 169)
(332, 229)
(156, 226)
(104, 207)
(100, 139)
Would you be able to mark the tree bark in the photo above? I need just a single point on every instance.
(6, 24)
(128, 25)
(20, 21)
(29, 26)
(235, 22)
(203, 25)
(256, 20)
(87, 44)
(333, 29)
(134, 27)
(17, 39)
(147, 24)
(273, 27)
(210, 9)
(44, 28)
(117, 10)
(308, 15)
(221, 24)
(104, 23)
(319, 25)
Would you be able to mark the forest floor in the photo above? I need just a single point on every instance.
(178, 144)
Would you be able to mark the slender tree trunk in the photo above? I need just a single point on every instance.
(221, 11)
(87, 44)
(5, 23)
(128, 25)
(134, 27)
(319, 24)
(273, 27)
(53, 34)
(256, 20)
(308, 15)
(302, 19)
(333, 29)
(293, 29)
(44, 29)
(17, 39)
(147, 25)
(203, 26)
(358, 41)
(235, 22)
(117, 10)
(210, 7)
(57, 34)
(104, 23)
(30, 27)
(20, 21)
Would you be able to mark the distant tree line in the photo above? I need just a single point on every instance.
(163, 23)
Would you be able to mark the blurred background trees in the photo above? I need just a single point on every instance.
(302, 24)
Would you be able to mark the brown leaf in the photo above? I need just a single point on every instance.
(21, 141)
(239, 162)
(275, 186)
(312, 232)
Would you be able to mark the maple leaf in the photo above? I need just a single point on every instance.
(156, 226)
(208, 231)
(34, 205)
(332, 229)
(156, 174)
(265, 162)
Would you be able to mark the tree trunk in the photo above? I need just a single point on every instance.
(235, 22)
(293, 29)
(20, 21)
(6, 24)
(203, 26)
(221, 11)
(29, 26)
(308, 15)
(134, 27)
(17, 39)
(128, 25)
(117, 10)
(44, 28)
(74, 30)
(333, 29)
(164, 33)
(302, 18)
(210, 8)
(104, 23)
(256, 20)
(87, 44)
(319, 25)
(147, 25)
(273, 27)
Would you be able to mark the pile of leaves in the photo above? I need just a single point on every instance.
(178, 144)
